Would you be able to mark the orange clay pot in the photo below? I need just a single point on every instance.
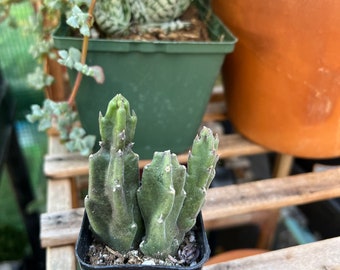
(283, 79)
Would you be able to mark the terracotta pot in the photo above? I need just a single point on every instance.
(283, 79)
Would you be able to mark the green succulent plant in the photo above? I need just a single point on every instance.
(153, 214)
(118, 15)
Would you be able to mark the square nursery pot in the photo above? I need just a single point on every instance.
(85, 239)
(168, 83)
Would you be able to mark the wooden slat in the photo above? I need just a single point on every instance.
(59, 195)
(223, 202)
(234, 145)
(65, 165)
(60, 228)
(321, 255)
(60, 258)
(68, 165)
(216, 109)
(215, 116)
(217, 96)
(54, 145)
(283, 165)
(230, 145)
(59, 198)
(270, 194)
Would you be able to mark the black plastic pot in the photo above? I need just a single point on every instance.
(85, 239)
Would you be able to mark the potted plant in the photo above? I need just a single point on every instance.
(148, 218)
(182, 73)
(184, 70)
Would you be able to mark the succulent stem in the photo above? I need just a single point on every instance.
(166, 203)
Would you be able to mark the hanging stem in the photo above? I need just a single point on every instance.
(47, 89)
(83, 57)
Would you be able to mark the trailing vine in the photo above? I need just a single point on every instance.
(61, 114)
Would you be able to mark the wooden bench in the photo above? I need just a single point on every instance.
(225, 206)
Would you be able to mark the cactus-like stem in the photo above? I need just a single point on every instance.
(168, 200)
(160, 199)
(118, 119)
(200, 172)
(111, 203)
(168, 210)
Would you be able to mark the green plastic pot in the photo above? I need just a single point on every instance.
(167, 83)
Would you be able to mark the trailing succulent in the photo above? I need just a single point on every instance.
(153, 214)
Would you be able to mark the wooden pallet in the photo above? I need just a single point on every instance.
(225, 206)
(62, 227)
